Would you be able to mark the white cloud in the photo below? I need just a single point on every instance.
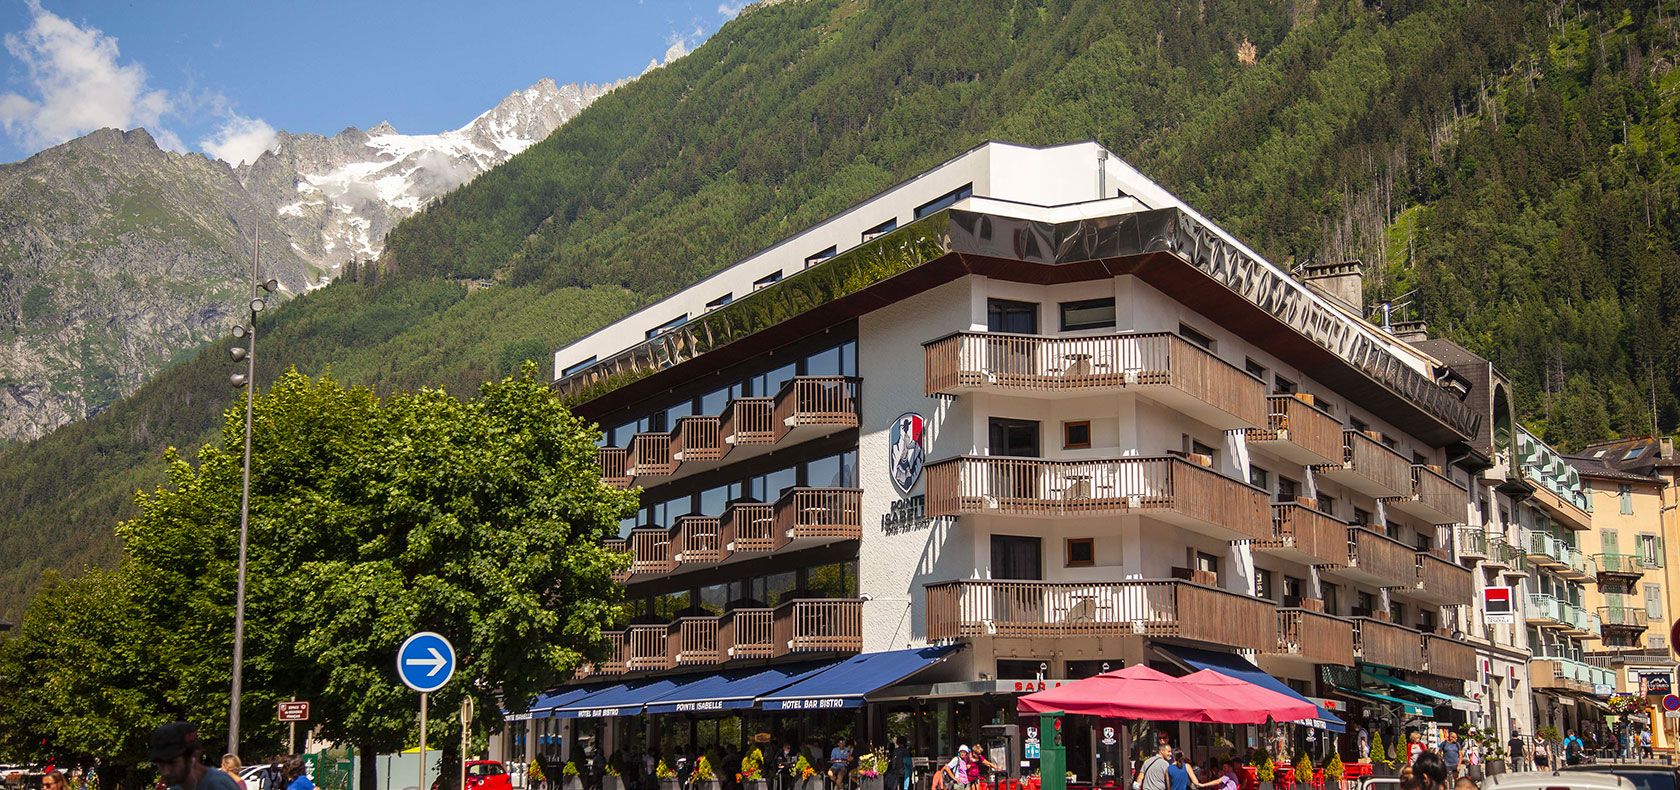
(728, 11)
(239, 139)
(77, 85)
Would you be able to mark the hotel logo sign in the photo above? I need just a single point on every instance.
(905, 451)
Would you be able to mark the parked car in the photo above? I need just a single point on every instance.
(1644, 776)
(484, 775)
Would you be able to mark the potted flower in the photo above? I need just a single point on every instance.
(613, 777)
(1494, 764)
(667, 776)
(1334, 770)
(703, 778)
(570, 779)
(751, 776)
(535, 774)
(1379, 755)
(870, 768)
(1303, 772)
(1264, 771)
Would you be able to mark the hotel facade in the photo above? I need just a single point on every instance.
(1021, 419)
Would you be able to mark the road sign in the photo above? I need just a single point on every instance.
(295, 710)
(425, 662)
(1671, 703)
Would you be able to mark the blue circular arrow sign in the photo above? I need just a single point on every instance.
(425, 661)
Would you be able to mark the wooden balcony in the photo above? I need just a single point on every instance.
(1370, 467)
(1168, 489)
(650, 456)
(1377, 560)
(693, 641)
(1298, 432)
(1381, 642)
(748, 422)
(1619, 567)
(1448, 658)
(1623, 618)
(615, 464)
(697, 541)
(1302, 534)
(697, 440)
(1441, 581)
(1314, 637)
(621, 546)
(747, 633)
(1163, 367)
(1434, 497)
(650, 552)
(814, 516)
(647, 648)
(749, 528)
(1164, 608)
(618, 653)
(819, 626)
(812, 406)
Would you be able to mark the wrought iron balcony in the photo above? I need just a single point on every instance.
(1163, 367)
(1381, 642)
(1302, 534)
(1165, 608)
(1623, 618)
(1545, 611)
(1619, 567)
(1472, 541)
(1169, 489)
(1314, 636)
(1370, 467)
(1299, 432)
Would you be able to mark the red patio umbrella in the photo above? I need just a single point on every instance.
(1138, 692)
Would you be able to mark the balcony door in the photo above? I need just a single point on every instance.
(1012, 361)
(1018, 558)
(1014, 481)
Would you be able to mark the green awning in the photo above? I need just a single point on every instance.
(1458, 703)
(1406, 706)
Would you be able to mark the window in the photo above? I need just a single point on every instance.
(1076, 435)
(1607, 541)
(1255, 369)
(1259, 478)
(1207, 562)
(1653, 601)
(1396, 612)
(812, 260)
(1361, 516)
(1292, 587)
(1357, 424)
(668, 326)
(1625, 491)
(720, 301)
(963, 192)
(1081, 552)
(1287, 489)
(1003, 315)
(577, 367)
(1331, 597)
(768, 279)
(1651, 550)
(1283, 386)
(1426, 621)
(1323, 405)
(1327, 505)
(878, 231)
(1263, 583)
(1087, 314)
(1656, 641)
(1188, 333)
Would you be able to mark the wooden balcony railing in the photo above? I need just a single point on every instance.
(1156, 361)
(1371, 468)
(806, 513)
(650, 552)
(618, 654)
(693, 641)
(1380, 557)
(1379, 642)
(1299, 431)
(621, 546)
(750, 527)
(615, 466)
(1315, 636)
(1627, 566)
(1169, 488)
(647, 648)
(697, 439)
(748, 421)
(698, 540)
(1443, 581)
(1434, 498)
(650, 455)
(1624, 617)
(747, 633)
(1308, 533)
(816, 401)
(1449, 658)
(819, 626)
(1165, 608)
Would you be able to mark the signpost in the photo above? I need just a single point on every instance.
(425, 662)
(1671, 703)
(293, 712)
(466, 736)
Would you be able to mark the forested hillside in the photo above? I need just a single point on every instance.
(1508, 170)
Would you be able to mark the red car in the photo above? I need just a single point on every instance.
(485, 775)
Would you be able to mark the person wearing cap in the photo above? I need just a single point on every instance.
(955, 772)
(176, 750)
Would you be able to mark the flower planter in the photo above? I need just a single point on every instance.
(1495, 767)
(670, 783)
(610, 782)
(705, 784)
(755, 784)
(572, 783)
(872, 782)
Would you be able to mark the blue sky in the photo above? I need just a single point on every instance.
(220, 76)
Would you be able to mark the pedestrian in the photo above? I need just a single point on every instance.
(953, 774)
(1414, 746)
(54, 780)
(231, 766)
(296, 774)
(1645, 744)
(1430, 772)
(1464, 783)
(1228, 779)
(175, 750)
(1152, 775)
(1572, 748)
(1518, 750)
(1451, 752)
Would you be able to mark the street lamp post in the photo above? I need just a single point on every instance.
(246, 379)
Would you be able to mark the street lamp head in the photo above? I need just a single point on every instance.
(271, 286)
(239, 331)
(237, 379)
(257, 305)
(237, 353)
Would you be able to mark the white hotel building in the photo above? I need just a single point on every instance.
(1019, 419)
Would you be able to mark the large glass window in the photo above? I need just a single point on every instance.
(713, 500)
(780, 588)
(838, 580)
(713, 599)
(1087, 314)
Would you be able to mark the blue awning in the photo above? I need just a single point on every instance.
(1241, 668)
(623, 699)
(543, 706)
(845, 684)
(733, 690)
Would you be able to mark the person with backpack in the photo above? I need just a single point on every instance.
(1155, 772)
(1572, 748)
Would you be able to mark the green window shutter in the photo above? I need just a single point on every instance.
(1608, 536)
(1658, 555)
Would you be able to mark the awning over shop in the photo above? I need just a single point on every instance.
(1457, 703)
(845, 684)
(1406, 706)
(623, 699)
(1241, 668)
(733, 690)
(544, 705)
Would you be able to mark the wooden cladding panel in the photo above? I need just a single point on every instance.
(1377, 642)
(1374, 461)
(1311, 532)
(1166, 608)
(1315, 636)
(1382, 556)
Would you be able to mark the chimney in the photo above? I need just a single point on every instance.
(1343, 282)
(1411, 331)
(1666, 448)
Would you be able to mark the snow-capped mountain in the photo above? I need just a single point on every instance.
(338, 196)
